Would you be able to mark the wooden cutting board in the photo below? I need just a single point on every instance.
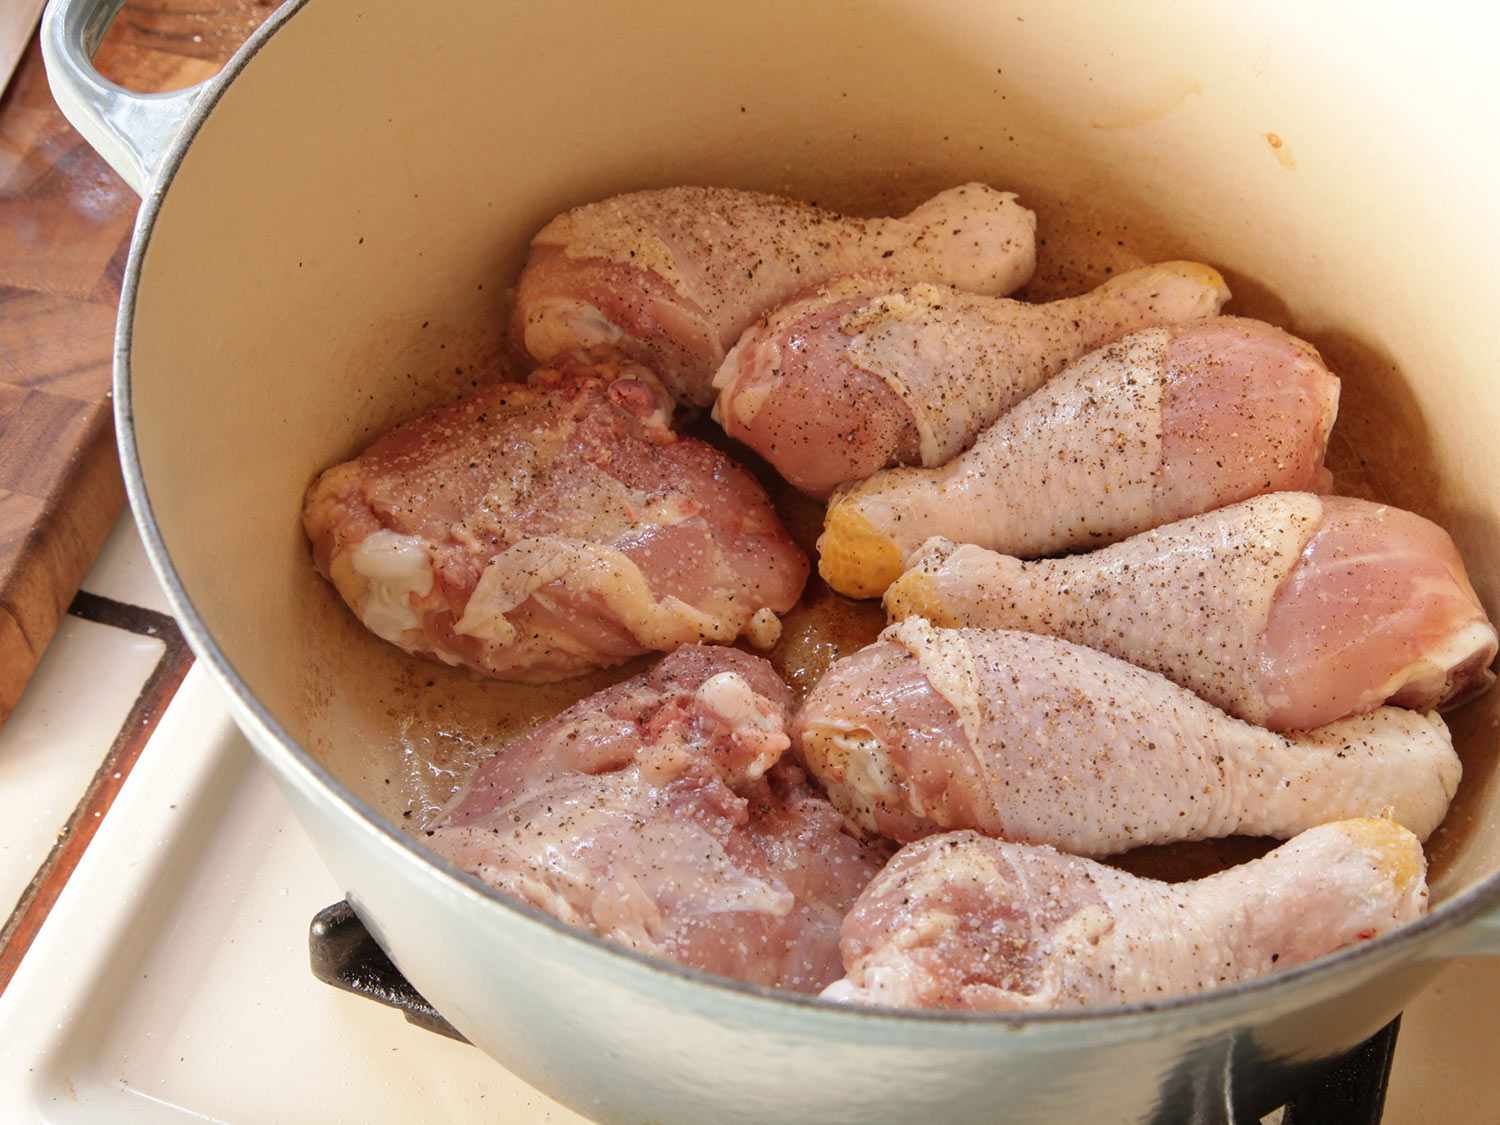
(65, 223)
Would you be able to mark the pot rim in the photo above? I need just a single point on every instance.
(289, 758)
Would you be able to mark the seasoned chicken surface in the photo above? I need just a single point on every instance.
(1289, 610)
(672, 277)
(657, 814)
(1122, 612)
(858, 376)
(533, 532)
(1162, 424)
(962, 921)
(1037, 740)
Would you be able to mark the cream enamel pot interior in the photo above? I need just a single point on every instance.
(328, 231)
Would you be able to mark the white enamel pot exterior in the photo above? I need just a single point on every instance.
(327, 233)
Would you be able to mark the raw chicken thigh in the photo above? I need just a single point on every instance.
(1041, 741)
(672, 277)
(1289, 610)
(962, 921)
(533, 532)
(656, 814)
(1162, 424)
(857, 376)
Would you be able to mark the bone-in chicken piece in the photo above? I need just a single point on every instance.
(1162, 424)
(1041, 741)
(856, 376)
(672, 277)
(964, 922)
(656, 814)
(1289, 610)
(533, 532)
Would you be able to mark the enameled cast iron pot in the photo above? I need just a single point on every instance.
(327, 232)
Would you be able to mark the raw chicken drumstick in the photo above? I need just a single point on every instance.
(1162, 424)
(533, 532)
(672, 277)
(656, 814)
(1289, 610)
(1041, 741)
(962, 921)
(857, 376)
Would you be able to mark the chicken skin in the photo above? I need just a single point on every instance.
(1289, 610)
(1162, 424)
(960, 921)
(533, 532)
(1040, 741)
(672, 277)
(857, 377)
(657, 814)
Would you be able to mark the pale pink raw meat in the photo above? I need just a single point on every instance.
(658, 815)
(1378, 606)
(961, 921)
(1038, 740)
(672, 277)
(1288, 610)
(536, 531)
(858, 375)
(1163, 423)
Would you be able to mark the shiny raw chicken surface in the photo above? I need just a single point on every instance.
(535, 531)
(672, 277)
(1037, 740)
(962, 921)
(1162, 424)
(859, 376)
(1289, 610)
(657, 814)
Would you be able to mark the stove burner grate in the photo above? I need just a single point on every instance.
(345, 955)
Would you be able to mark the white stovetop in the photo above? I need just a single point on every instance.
(171, 982)
(54, 741)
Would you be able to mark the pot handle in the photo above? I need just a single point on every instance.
(130, 131)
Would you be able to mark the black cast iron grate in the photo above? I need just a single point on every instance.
(1350, 1092)
(345, 955)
